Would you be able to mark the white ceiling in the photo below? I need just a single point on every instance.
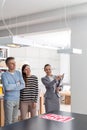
(15, 8)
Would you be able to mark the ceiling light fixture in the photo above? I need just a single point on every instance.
(14, 41)
(70, 51)
(13, 45)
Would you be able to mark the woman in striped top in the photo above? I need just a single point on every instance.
(29, 95)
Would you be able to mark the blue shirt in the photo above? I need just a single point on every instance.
(12, 84)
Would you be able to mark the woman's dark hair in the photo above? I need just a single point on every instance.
(23, 74)
(46, 66)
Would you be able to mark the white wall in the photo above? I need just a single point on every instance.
(65, 67)
(79, 66)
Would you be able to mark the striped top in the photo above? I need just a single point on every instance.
(30, 92)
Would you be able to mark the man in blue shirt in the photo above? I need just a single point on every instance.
(12, 84)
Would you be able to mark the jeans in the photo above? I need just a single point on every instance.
(11, 111)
